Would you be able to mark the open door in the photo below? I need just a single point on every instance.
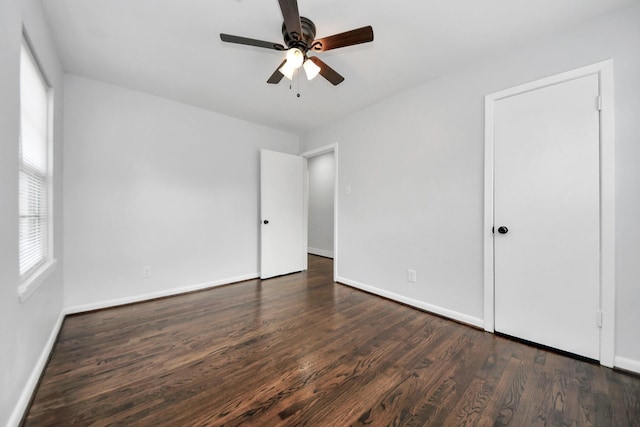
(282, 243)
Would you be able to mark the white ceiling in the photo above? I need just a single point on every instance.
(172, 48)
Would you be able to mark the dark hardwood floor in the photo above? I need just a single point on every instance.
(301, 350)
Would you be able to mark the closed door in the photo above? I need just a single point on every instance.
(547, 216)
(282, 247)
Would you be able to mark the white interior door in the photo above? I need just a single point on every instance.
(546, 193)
(282, 246)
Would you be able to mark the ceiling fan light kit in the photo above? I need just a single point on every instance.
(294, 61)
(299, 35)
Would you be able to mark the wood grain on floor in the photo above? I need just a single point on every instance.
(300, 350)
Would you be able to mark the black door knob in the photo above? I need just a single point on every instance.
(266, 221)
(503, 230)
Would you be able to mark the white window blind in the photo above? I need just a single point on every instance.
(34, 173)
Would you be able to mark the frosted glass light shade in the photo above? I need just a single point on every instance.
(295, 57)
(311, 69)
(287, 70)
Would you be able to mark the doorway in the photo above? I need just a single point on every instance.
(321, 202)
(549, 195)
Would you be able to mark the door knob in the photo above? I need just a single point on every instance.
(266, 221)
(503, 230)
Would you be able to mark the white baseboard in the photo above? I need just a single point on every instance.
(160, 294)
(444, 312)
(32, 382)
(630, 365)
(321, 252)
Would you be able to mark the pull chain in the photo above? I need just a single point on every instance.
(295, 76)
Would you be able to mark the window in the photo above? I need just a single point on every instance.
(34, 169)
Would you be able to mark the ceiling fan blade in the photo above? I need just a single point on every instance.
(291, 18)
(348, 38)
(250, 42)
(327, 72)
(277, 75)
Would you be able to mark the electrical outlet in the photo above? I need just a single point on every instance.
(146, 272)
(411, 276)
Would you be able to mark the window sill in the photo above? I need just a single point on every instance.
(34, 281)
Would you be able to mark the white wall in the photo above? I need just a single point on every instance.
(152, 182)
(321, 199)
(25, 328)
(415, 165)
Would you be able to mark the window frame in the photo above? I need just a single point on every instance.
(32, 278)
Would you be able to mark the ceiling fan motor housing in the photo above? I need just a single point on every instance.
(306, 38)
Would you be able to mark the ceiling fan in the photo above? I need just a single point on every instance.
(299, 37)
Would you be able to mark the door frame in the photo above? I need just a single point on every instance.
(331, 148)
(604, 70)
